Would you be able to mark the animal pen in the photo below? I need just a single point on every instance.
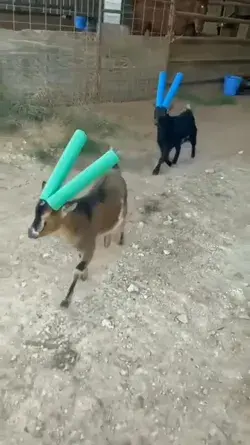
(119, 56)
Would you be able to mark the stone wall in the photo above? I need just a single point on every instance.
(73, 68)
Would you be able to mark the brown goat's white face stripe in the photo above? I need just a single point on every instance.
(42, 211)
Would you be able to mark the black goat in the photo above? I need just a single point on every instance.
(172, 131)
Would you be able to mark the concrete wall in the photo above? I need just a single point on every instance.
(64, 67)
(38, 62)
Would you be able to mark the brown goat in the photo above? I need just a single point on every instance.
(101, 211)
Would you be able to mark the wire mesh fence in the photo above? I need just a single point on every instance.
(140, 16)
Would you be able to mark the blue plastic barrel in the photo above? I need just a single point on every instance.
(231, 85)
(81, 23)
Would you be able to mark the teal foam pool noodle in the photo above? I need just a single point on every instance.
(65, 164)
(95, 171)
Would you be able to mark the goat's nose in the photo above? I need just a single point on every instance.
(32, 233)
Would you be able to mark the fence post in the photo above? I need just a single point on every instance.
(99, 51)
(170, 31)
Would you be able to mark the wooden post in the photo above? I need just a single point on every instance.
(170, 31)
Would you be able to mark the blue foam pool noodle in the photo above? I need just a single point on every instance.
(162, 83)
(173, 90)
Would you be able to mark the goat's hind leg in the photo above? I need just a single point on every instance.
(81, 272)
(193, 139)
(177, 154)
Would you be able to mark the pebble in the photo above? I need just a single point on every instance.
(170, 241)
(166, 252)
(135, 246)
(240, 152)
(209, 170)
(107, 324)
(132, 289)
(182, 318)
(140, 224)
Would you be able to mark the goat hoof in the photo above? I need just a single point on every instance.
(64, 303)
(155, 172)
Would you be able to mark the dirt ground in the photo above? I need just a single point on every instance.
(155, 347)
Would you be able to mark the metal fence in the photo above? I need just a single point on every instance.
(124, 46)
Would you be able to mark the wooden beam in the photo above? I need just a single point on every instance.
(228, 3)
(187, 61)
(212, 18)
(213, 39)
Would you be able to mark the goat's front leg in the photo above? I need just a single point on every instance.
(121, 237)
(81, 272)
(107, 240)
(161, 161)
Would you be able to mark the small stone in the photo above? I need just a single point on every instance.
(123, 372)
(182, 318)
(166, 252)
(209, 170)
(107, 324)
(140, 224)
(188, 215)
(135, 246)
(46, 255)
(170, 241)
(23, 284)
(132, 289)
(240, 152)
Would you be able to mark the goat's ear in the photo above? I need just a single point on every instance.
(68, 207)
(43, 184)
